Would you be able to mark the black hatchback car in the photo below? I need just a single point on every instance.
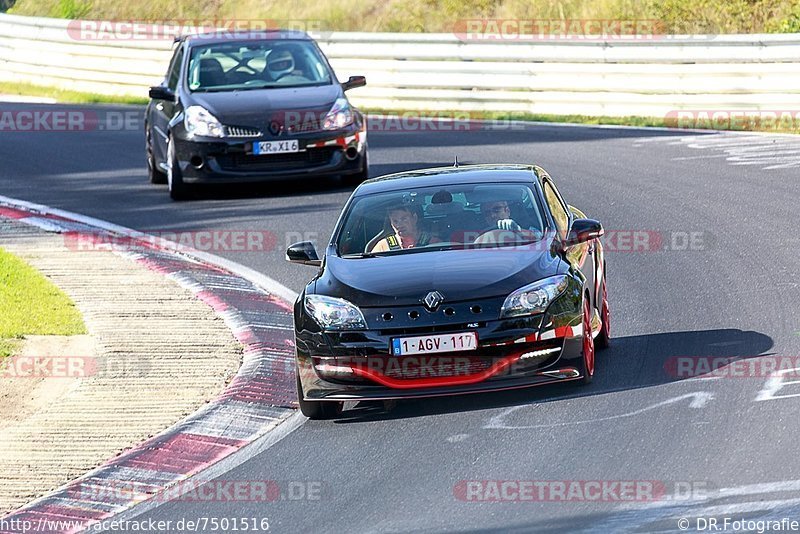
(252, 106)
(450, 280)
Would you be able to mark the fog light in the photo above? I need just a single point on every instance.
(537, 353)
(333, 369)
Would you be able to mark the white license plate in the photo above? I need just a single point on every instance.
(276, 147)
(405, 346)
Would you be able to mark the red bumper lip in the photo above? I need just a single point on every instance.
(431, 382)
(570, 374)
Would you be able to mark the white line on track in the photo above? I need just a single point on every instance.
(699, 400)
(769, 151)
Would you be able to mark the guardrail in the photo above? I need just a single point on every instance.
(448, 72)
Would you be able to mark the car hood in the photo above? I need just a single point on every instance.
(459, 275)
(259, 107)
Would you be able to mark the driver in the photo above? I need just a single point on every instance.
(280, 63)
(407, 232)
(498, 216)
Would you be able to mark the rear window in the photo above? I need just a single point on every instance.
(441, 218)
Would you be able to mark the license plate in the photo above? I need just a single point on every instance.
(276, 147)
(405, 346)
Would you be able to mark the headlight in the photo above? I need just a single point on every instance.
(339, 116)
(534, 298)
(333, 313)
(199, 121)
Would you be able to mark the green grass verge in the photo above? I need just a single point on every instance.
(8, 347)
(65, 95)
(640, 122)
(522, 116)
(581, 119)
(32, 305)
(77, 97)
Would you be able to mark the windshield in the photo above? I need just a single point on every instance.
(441, 218)
(256, 65)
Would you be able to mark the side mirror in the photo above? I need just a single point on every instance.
(303, 253)
(159, 92)
(583, 230)
(353, 82)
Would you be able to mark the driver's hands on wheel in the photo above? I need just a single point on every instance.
(508, 224)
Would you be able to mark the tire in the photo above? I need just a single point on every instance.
(588, 351)
(317, 409)
(356, 178)
(155, 175)
(603, 340)
(177, 189)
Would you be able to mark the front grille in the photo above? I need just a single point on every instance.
(431, 329)
(243, 131)
(434, 367)
(312, 157)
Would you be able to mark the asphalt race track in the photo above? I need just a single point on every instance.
(714, 274)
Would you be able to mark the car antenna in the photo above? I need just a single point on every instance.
(455, 163)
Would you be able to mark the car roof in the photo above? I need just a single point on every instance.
(463, 174)
(223, 36)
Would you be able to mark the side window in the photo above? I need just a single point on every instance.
(556, 208)
(175, 69)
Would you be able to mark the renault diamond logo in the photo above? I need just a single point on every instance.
(432, 300)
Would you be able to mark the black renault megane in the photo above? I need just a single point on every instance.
(450, 280)
(252, 106)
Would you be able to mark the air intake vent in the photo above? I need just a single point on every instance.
(243, 131)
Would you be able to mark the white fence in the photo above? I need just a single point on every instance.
(446, 72)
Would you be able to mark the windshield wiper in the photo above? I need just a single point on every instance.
(359, 256)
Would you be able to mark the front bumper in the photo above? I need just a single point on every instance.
(512, 353)
(231, 160)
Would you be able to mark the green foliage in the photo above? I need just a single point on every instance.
(789, 23)
(721, 16)
(72, 9)
(676, 16)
